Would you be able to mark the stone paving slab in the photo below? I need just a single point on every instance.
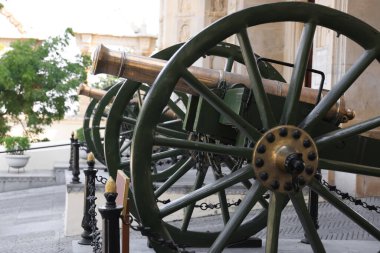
(285, 246)
(32, 221)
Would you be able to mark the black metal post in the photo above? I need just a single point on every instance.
(110, 232)
(75, 172)
(71, 151)
(89, 191)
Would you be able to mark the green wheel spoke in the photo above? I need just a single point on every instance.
(221, 107)
(206, 147)
(130, 112)
(125, 146)
(183, 167)
(162, 130)
(338, 89)
(227, 181)
(97, 127)
(349, 167)
(262, 102)
(167, 153)
(199, 180)
(162, 175)
(183, 96)
(162, 155)
(176, 109)
(246, 183)
(306, 221)
(340, 134)
(251, 198)
(229, 64)
(170, 122)
(276, 204)
(342, 207)
(298, 74)
(223, 201)
(224, 206)
(125, 133)
(171, 133)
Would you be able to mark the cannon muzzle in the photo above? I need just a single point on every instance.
(88, 91)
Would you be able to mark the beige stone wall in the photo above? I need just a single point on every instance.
(180, 20)
(139, 44)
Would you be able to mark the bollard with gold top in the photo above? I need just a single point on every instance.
(110, 215)
(75, 160)
(89, 192)
(71, 151)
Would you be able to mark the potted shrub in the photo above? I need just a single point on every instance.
(15, 147)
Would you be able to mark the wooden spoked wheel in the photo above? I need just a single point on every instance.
(187, 161)
(283, 130)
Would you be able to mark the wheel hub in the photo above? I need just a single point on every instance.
(285, 159)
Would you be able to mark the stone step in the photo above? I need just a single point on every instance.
(19, 180)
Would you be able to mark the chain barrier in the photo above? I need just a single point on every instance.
(266, 196)
(345, 195)
(143, 230)
(146, 231)
(96, 242)
(163, 201)
(204, 206)
(101, 179)
(35, 148)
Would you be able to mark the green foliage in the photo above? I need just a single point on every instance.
(80, 135)
(16, 145)
(105, 81)
(35, 140)
(38, 82)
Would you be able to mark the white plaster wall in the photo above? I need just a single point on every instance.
(74, 212)
(346, 182)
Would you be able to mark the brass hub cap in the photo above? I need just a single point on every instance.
(285, 159)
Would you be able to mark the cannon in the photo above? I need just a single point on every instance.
(278, 142)
(120, 115)
(116, 115)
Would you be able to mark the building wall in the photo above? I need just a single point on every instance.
(139, 44)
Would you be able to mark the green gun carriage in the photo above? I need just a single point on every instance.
(250, 130)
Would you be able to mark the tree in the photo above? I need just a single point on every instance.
(38, 82)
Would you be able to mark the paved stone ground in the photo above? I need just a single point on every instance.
(32, 221)
(333, 224)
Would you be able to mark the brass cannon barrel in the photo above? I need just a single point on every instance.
(96, 93)
(145, 69)
(88, 91)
